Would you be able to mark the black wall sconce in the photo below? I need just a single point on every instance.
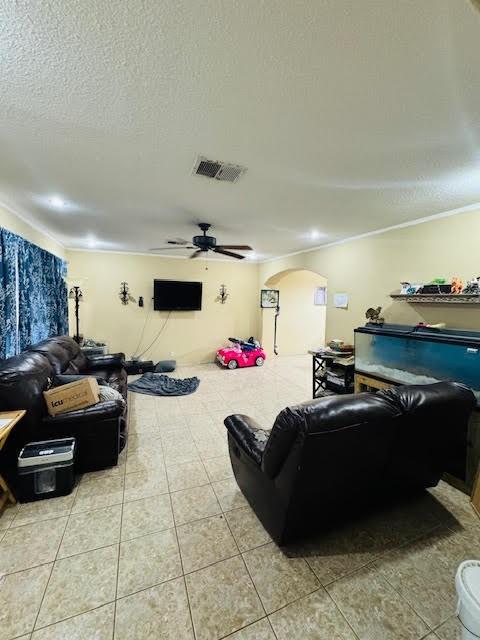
(124, 294)
(76, 294)
(222, 294)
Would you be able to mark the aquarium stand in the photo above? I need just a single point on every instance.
(365, 382)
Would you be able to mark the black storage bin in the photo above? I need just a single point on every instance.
(45, 469)
(135, 367)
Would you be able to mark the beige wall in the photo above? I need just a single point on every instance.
(371, 268)
(368, 269)
(13, 223)
(301, 324)
(189, 337)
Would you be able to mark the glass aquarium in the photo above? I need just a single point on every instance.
(412, 355)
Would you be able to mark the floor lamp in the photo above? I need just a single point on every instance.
(76, 294)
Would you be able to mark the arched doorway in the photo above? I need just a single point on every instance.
(301, 323)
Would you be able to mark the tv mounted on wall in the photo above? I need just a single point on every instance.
(175, 295)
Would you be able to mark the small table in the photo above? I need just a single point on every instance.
(324, 363)
(13, 416)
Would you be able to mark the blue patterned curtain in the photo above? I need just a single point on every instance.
(33, 294)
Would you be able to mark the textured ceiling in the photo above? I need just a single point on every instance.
(350, 116)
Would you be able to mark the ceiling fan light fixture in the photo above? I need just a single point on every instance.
(205, 243)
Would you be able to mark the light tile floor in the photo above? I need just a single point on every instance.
(164, 546)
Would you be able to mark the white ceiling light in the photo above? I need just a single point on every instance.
(57, 202)
(315, 234)
(91, 242)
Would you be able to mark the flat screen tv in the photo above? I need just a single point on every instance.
(174, 295)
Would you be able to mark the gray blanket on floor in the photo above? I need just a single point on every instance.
(157, 384)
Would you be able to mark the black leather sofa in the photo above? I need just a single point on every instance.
(335, 455)
(100, 430)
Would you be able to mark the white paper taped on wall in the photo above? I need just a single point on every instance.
(340, 300)
(320, 297)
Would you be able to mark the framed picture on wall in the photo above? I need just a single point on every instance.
(320, 296)
(269, 298)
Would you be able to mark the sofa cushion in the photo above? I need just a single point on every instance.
(55, 353)
(63, 353)
(76, 356)
(23, 379)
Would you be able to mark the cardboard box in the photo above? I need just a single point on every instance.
(71, 396)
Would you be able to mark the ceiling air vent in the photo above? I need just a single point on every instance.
(218, 170)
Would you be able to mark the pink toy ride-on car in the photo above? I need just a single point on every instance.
(242, 353)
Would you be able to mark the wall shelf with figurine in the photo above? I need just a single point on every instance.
(441, 298)
(439, 292)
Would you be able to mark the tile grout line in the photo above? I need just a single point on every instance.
(182, 566)
(120, 535)
(243, 560)
(410, 606)
(53, 566)
(250, 624)
(349, 625)
(71, 617)
(180, 554)
(370, 565)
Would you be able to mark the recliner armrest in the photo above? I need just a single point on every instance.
(106, 361)
(248, 435)
(100, 411)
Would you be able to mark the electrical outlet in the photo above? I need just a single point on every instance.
(172, 353)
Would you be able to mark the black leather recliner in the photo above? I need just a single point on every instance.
(100, 430)
(328, 457)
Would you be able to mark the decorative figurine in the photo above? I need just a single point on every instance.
(457, 285)
(405, 288)
(472, 287)
(413, 288)
(373, 315)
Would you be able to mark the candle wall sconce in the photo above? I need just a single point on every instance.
(222, 294)
(124, 294)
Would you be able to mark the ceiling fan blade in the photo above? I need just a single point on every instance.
(170, 248)
(196, 254)
(242, 247)
(228, 253)
(178, 241)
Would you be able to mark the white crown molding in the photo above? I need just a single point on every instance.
(158, 255)
(34, 225)
(403, 225)
(376, 232)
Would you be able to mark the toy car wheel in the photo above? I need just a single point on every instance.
(259, 361)
(233, 364)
